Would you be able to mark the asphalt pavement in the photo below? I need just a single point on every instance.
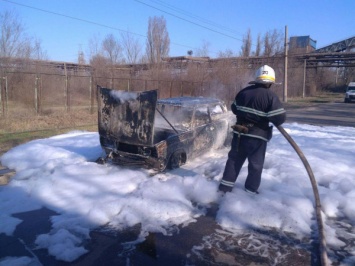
(325, 114)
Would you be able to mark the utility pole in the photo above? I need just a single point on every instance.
(304, 78)
(285, 77)
(1, 109)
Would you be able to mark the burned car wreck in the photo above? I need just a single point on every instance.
(136, 128)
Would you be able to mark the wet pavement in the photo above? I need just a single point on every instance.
(199, 243)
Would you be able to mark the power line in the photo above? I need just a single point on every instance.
(221, 33)
(189, 14)
(86, 21)
(71, 17)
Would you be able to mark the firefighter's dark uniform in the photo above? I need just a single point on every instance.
(255, 106)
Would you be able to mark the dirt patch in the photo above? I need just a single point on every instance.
(22, 122)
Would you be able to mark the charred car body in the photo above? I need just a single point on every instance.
(138, 129)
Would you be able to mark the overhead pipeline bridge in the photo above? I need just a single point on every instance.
(344, 45)
(338, 54)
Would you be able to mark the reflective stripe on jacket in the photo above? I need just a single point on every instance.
(260, 106)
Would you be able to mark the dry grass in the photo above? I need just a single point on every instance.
(27, 121)
(21, 127)
(323, 97)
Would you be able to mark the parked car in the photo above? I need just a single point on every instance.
(350, 93)
(136, 128)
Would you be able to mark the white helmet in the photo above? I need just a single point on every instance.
(264, 75)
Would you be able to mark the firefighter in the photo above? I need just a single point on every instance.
(255, 107)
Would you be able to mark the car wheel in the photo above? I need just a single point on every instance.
(176, 160)
(161, 165)
(100, 160)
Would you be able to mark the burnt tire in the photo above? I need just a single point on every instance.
(161, 165)
(100, 160)
(177, 159)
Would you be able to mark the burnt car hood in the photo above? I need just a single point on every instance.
(127, 117)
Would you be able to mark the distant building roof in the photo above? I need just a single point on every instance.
(302, 42)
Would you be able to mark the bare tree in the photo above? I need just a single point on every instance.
(112, 49)
(276, 41)
(14, 43)
(94, 46)
(37, 52)
(158, 41)
(81, 58)
(204, 50)
(131, 47)
(272, 43)
(12, 35)
(258, 46)
(226, 54)
(267, 45)
(98, 59)
(246, 46)
(99, 64)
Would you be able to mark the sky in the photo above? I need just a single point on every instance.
(59, 173)
(66, 27)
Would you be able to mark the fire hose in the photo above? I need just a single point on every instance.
(321, 234)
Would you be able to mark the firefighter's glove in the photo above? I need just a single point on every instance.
(240, 128)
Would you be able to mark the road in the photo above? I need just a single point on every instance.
(106, 247)
(327, 114)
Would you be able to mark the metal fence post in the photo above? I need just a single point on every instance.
(171, 88)
(36, 94)
(66, 88)
(67, 102)
(91, 96)
(1, 105)
(1, 111)
(304, 78)
(6, 97)
(40, 87)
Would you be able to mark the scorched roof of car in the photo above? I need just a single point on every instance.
(188, 101)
